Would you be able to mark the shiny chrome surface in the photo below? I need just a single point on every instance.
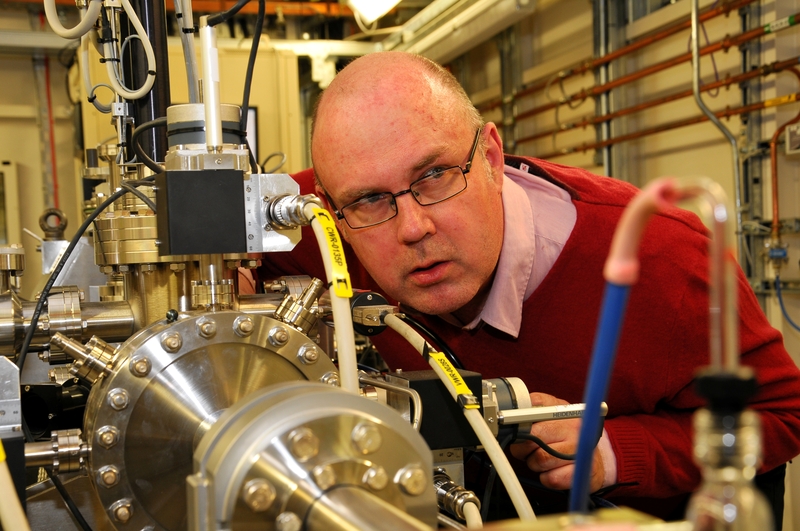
(160, 415)
(309, 441)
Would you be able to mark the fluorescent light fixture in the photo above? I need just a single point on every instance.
(371, 10)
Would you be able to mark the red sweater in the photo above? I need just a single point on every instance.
(664, 338)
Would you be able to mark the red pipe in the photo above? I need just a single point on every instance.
(775, 67)
(773, 154)
(724, 44)
(590, 64)
(727, 113)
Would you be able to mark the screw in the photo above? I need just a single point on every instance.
(171, 315)
(304, 444)
(108, 476)
(367, 438)
(243, 326)
(258, 494)
(139, 366)
(324, 476)
(376, 478)
(107, 436)
(287, 522)
(217, 161)
(308, 354)
(278, 336)
(206, 327)
(330, 378)
(171, 341)
(411, 480)
(118, 399)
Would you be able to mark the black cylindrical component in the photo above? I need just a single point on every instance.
(152, 14)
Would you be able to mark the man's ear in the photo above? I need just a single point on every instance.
(494, 148)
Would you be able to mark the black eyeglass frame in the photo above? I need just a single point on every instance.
(464, 171)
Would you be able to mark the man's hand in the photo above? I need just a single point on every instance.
(561, 435)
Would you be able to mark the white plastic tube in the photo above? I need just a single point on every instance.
(11, 514)
(342, 318)
(211, 101)
(87, 81)
(108, 52)
(472, 515)
(479, 426)
(183, 10)
(88, 18)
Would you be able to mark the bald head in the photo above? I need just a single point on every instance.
(392, 92)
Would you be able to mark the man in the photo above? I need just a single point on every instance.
(503, 257)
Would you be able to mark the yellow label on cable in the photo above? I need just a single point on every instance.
(454, 377)
(340, 277)
(2, 452)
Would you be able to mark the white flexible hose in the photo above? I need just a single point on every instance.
(472, 515)
(475, 419)
(108, 52)
(88, 18)
(11, 514)
(342, 318)
(187, 43)
(87, 81)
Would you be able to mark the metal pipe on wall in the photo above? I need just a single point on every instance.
(592, 63)
(773, 152)
(765, 70)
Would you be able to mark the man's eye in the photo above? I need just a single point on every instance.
(371, 199)
(433, 173)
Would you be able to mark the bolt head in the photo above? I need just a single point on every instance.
(139, 366)
(108, 476)
(122, 510)
(171, 341)
(207, 328)
(288, 521)
(308, 354)
(178, 266)
(107, 436)
(278, 336)
(324, 476)
(243, 326)
(376, 478)
(303, 444)
(259, 494)
(118, 399)
(366, 438)
(412, 480)
(330, 378)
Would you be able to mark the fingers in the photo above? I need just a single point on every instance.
(543, 399)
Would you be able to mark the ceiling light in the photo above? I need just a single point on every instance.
(371, 10)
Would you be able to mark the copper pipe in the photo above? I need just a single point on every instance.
(765, 70)
(773, 155)
(590, 64)
(329, 9)
(727, 113)
(724, 44)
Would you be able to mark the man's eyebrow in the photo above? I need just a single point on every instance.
(427, 161)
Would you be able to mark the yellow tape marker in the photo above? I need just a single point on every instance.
(341, 278)
(454, 377)
(2, 452)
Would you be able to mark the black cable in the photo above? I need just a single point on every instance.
(487, 493)
(26, 343)
(544, 446)
(138, 193)
(446, 350)
(251, 63)
(137, 132)
(213, 20)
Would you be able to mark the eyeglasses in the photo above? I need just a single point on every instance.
(436, 186)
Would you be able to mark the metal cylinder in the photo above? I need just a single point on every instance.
(39, 454)
(111, 321)
(353, 509)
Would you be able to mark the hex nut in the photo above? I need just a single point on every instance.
(147, 268)
(107, 436)
(177, 266)
(288, 521)
(139, 366)
(206, 327)
(124, 268)
(258, 494)
(366, 438)
(108, 476)
(278, 336)
(243, 326)
(118, 399)
(171, 341)
(308, 354)
(122, 510)
(330, 378)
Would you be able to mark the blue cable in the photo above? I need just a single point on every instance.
(612, 311)
(780, 301)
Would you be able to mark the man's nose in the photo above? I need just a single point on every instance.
(413, 220)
